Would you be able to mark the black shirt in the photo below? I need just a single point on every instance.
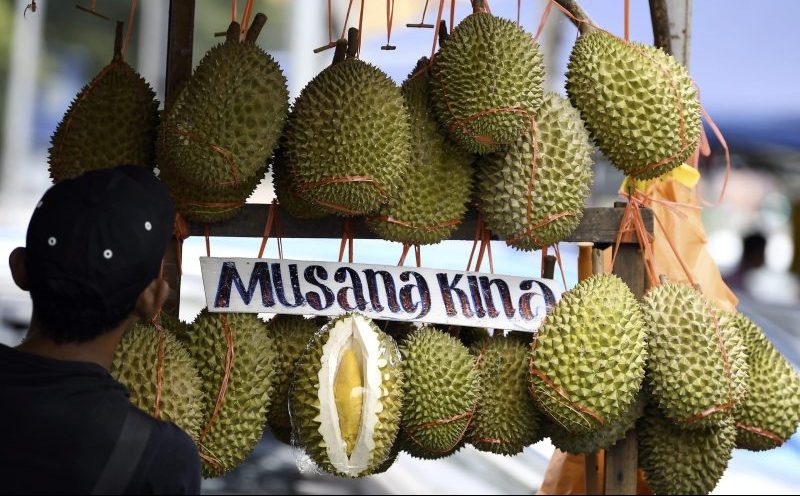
(59, 421)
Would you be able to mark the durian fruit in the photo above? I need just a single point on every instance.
(416, 451)
(346, 397)
(487, 83)
(533, 196)
(440, 392)
(470, 335)
(348, 139)
(639, 103)
(697, 368)
(284, 190)
(216, 138)
(595, 441)
(112, 121)
(588, 359)
(228, 436)
(507, 419)
(435, 187)
(771, 413)
(681, 461)
(291, 334)
(136, 363)
(399, 330)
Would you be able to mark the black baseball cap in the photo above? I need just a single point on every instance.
(98, 239)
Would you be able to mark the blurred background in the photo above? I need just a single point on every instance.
(744, 59)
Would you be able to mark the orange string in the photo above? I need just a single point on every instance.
(360, 29)
(557, 251)
(724, 144)
(627, 20)
(424, 11)
(180, 230)
(418, 255)
(226, 376)
(452, 15)
(761, 432)
(404, 254)
(208, 240)
(346, 19)
(330, 23)
(347, 240)
(233, 10)
(248, 12)
(389, 20)
(436, 31)
(134, 3)
(543, 21)
(268, 227)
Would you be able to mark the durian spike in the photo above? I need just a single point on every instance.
(118, 41)
(352, 42)
(255, 29)
(577, 15)
(340, 52)
(232, 34)
(443, 33)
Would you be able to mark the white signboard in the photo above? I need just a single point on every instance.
(449, 297)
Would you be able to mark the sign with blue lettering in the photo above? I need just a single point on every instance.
(449, 297)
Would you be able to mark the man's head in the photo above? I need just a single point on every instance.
(93, 253)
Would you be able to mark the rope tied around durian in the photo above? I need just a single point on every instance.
(469, 415)
(302, 187)
(404, 254)
(484, 237)
(180, 231)
(347, 240)
(427, 227)
(761, 432)
(225, 154)
(272, 224)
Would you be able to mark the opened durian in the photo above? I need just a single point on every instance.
(440, 392)
(681, 461)
(112, 121)
(487, 82)
(435, 187)
(233, 421)
(348, 139)
(697, 368)
(533, 194)
(346, 397)
(771, 412)
(216, 138)
(291, 334)
(507, 419)
(639, 103)
(140, 354)
(588, 359)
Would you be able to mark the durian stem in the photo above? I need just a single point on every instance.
(478, 6)
(118, 41)
(663, 279)
(234, 30)
(598, 261)
(660, 20)
(352, 42)
(549, 268)
(340, 51)
(578, 16)
(443, 33)
(255, 28)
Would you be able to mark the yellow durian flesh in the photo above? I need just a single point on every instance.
(348, 393)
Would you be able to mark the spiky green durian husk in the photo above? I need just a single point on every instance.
(291, 334)
(771, 412)
(639, 103)
(416, 451)
(441, 384)
(435, 187)
(486, 83)
(239, 423)
(175, 325)
(607, 436)
(304, 401)
(536, 204)
(588, 359)
(390, 459)
(399, 330)
(226, 121)
(471, 335)
(680, 461)
(697, 366)
(348, 122)
(283, 187)
(112, 121)
(506, 420)
(135, 365)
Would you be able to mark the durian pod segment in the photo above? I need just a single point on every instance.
(112, 121)
(639, 103)
(140, 354)
(588, 359)
(507, 419)
(440, 391)
(234, 421)
(680, 461)
(486, 83)
(346, 398)
(348, 142)
(436, 185)
(771, 413)
(291, 334)
(534, 193)
(697, 368)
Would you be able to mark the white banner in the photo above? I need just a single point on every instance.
(449, 297)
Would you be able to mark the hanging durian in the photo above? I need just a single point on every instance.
(534, 193)
(284, 188)
(136, 363)
(216, 138)
(233, 421)
(346, 398)
(487, 82)
(111, 122)
(435, 187)
(588, 359)
(348, 138)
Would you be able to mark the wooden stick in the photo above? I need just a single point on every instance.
(340, 52)
(598, 261)
(584, 260)
(579, 17)
(255, 28)
(352, 42)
